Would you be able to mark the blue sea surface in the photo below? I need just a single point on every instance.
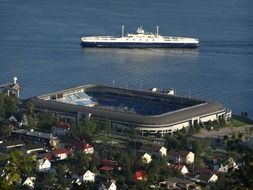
(39, 43)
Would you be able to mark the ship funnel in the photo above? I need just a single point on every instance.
(15, 80)
(157, 31)
(122, 30)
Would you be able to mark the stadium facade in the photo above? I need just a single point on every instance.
(151, 112)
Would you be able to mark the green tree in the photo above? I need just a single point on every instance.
(11, 104)
(172, 142)
(82, 159)
(18, 164)
(105, 126)
(4, 129)
(46, 120)
(8, 104)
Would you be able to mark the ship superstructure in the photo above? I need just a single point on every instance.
(140, 39)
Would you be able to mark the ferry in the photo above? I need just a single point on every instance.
(140, 39)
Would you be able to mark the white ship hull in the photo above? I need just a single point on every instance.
(139, 40)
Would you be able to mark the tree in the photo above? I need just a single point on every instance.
(172, 142)
(4, 129)
(19, 164)
(46, 120)
(11, 104)
(8, 105)
(105, 126)
(125, 161)
(82, 159)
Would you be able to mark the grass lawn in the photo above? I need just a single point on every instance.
(238, 121)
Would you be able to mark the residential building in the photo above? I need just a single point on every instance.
(88, 176)
(179, 167)
(186, 157)
(43, 165)
(226, 165)
(35, 136)
(61, 129)
(9, 145)
(140, 175)
(58, 154)
(158, 151)
(205, 178)
(178, 183)
(109, 186)
(28, 181)
(146, 158)
(30, 148)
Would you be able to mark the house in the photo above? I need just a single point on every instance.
(146, 158)
(178, 183)
(43, 165)
(58, 154)
(28, 149)
(226, 165)
(109, 186)
(88, 149)
(154, 150)
(109, 165)
(205, 178)
(140, 175)
(19, 120)
(28, 181)
(106, 168)
(88, 176)
(61, 129)
(35, 136)
(203, 175)
(186, 157)
(9, 145)
(83, 146)
(179, 167)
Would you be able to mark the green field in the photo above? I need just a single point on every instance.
(238, 121)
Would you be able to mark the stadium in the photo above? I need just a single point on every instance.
(152, 113)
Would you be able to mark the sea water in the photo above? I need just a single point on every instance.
(39, 43)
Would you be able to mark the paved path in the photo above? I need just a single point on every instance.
(224, 131)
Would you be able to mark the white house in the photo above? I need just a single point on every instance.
(206, 178)
(43, 165)
(154, 150)
(61, 129)
(58, 154)
(88, 149)
(110, 186)
(186, 157)
(226, 165)
(179, 167)
(88, 176)
(28, 181)
(163, 151)
(146, 158)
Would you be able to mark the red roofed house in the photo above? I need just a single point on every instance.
(106, 168)
(140, 175)
(88, 149)
(84, 147)
(61, 129)
(109, 165)
(58, 154)
(186, 157)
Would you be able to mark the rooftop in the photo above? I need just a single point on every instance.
(131, 106)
